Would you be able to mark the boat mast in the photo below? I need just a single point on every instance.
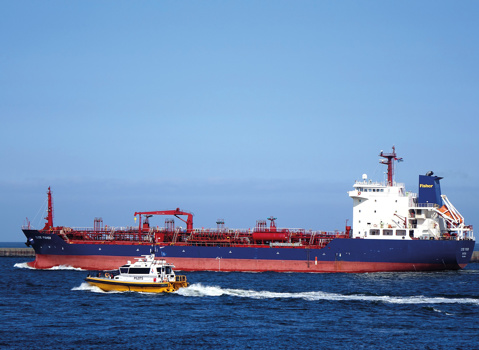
(390, 158)
(49, 217)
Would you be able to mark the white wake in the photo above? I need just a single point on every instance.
(24, 265)
(199, 290)
(88, 287)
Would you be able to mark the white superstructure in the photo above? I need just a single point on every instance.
(147, 269)
(385, 210)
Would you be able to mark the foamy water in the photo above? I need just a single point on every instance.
(88, 287)
(199, 290)
(24, 265)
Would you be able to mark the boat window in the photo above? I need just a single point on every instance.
(140, 270)
(400, 232)
(123, 269)
(374, 232)
(388, 232)
(168, 270)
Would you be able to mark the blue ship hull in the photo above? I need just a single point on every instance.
(340, 255)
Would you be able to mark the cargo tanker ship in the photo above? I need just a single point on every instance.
(393, 230)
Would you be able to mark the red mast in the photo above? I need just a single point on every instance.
(49, 217)
(390, 158)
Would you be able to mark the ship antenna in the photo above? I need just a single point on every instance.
(49, 217)
(390, 158)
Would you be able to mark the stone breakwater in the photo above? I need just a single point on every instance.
(17, 252)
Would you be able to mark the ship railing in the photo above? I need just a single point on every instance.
(369, 183)
(307, 237)
(88, 229)
(180, 278)
(424, 205)
(238, 233)
(106, 229)
(377, 183)
(280, 244)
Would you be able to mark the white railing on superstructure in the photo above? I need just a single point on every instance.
(423, 205)
(376, 183)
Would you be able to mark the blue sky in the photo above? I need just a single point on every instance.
(231, 109)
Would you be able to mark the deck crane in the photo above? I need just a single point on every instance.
(176, 212)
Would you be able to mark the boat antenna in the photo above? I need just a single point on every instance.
(390, 158)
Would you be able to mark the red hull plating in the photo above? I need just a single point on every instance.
(187, 264)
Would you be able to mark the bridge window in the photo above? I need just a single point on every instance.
(388, 232)
(140, 271)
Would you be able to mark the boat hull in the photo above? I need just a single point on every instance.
(340, 255)
(109, 285)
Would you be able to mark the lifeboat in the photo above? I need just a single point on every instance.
(147, 274)
(450, 214)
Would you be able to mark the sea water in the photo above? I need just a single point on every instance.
(56, 309)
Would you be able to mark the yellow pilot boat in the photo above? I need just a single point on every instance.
(147, 274)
